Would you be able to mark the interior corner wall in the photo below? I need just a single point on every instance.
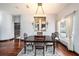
(6, 26)
(68, 10)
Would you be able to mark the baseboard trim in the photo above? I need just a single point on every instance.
(74, 52)
(62, 44)
(6, 40)
(11, 39)
(67, 48)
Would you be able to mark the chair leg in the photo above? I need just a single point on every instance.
(57, 43)
(35, 52)
(43, 52)
(46, 48)
(32, 47)
(24, 49)
(54, 49)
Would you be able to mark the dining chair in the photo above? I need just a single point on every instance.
(57, 38)
(27, 43)
(39, 45)
(53, 42)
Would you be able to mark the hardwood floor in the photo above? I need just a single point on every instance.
(10, 48)
(63, 51)
(13, 47)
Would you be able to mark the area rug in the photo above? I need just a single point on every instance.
(30, 52)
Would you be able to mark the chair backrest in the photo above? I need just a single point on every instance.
(57, 35)
(39, 37)
(53, 36)
(25, 36)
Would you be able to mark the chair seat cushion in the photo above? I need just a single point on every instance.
(29, 43)
(49, 43)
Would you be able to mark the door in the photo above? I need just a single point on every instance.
(17, 29)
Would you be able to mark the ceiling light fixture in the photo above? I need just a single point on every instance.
(39, 10)
(40, 23)
(27, 6)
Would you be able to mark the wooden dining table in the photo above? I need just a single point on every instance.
(31, 39)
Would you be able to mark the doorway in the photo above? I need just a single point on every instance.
(16, 19)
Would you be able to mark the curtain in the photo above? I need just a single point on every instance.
(69, 29)
(76, 31)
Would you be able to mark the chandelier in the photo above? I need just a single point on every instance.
(40, 22)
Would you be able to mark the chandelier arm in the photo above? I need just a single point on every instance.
(37, 10)
(42, 10)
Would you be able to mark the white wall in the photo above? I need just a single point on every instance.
(26, 24)
(6, 26)
(68, 10)
(51, 24)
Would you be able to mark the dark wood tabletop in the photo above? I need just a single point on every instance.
(32, 39)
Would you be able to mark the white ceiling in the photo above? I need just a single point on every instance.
(49, 8)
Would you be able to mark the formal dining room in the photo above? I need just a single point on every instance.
(39, 29)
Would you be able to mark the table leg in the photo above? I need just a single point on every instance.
(24, 47)
(53, 48)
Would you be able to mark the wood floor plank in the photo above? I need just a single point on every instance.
(10, 48)
(13, 47)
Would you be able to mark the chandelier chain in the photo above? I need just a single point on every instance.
(41, 8)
